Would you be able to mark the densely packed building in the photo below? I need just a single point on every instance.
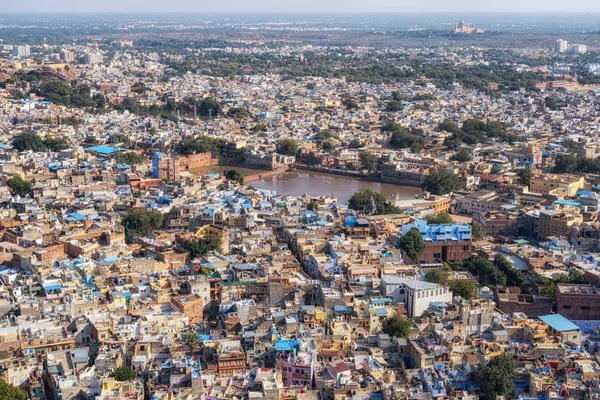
(134, 266)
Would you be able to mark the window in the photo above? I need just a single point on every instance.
(586, 308)
(567, 307)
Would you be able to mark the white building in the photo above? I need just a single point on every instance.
(199, 286)
(560, 46)
(95, 58)
(579, 49)
(21, 51)
(592, 68)
(416, 295)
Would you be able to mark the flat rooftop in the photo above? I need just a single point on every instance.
(579, 289)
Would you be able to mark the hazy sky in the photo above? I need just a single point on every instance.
(299, 6)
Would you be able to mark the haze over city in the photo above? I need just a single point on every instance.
(299, 200)
(309, 6)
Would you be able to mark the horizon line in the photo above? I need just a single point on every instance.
(297, 12)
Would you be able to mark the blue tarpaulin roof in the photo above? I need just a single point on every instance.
(104, 149)
(76, 217)
(381, 301)
(286, 345)
(559, 323)
(343, 308)
(351, 221)
(567, 202)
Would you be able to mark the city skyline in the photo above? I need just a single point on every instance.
(305, 7)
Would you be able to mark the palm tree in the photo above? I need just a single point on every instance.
(191, 340)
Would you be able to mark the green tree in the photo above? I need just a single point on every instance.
(553, 103)
(124, 373)
(138, 87)
(241, 154)
(477, 231)
(201, 144)
(496, 377)
(169, 116)
(465, 289)
(28, 141)
(19, 186)
(328, 145)
(394, 106)
(287, 146)
(572, 145)
(90, 139)
(71, 121)
(442, 182)
(201, 247)
(237, 112)
(234, 175)
(547, 287)
(260, 127)
(350, 104)
(140, 222)
(69, 95)
(191, 340)
(463, 155)
(565, 163)
(397, 325)
(402, 138)
(571, 163)
(209, 106)
(368, 160)
(574, 276)
(130, 104)
(323, 135)
(439, 218)
(485, 271)
(131, 158)
(355, 144)
(361, 201)
(413, 244)
(475, 131)
(514, 277)
(117, 138)
(437, 276)
(525, 176)
(11, 392)
(56, 144)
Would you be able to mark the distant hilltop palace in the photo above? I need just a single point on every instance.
(463, 27)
